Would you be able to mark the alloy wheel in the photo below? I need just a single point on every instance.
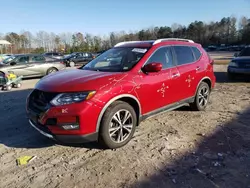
(121, 126)
(203, 96)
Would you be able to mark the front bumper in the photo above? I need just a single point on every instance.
(236, 70)
(67, 139)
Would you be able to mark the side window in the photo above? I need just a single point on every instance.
(78, 55)
(197, 53)
(163, 56)
(184, 55)
(23, 59)
(37, 59)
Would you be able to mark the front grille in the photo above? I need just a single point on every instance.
(39, 101)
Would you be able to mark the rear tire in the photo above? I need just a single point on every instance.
(201, 98)
(51, 70)
(118, 125)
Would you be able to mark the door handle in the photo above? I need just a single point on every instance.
(198, 68)
(175, 75)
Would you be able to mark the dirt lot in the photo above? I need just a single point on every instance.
(174, 149)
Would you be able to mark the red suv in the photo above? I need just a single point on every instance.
(107, 98)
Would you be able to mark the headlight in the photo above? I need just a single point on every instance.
(69, 98)
(233, 64)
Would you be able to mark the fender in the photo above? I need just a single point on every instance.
(110, 102)
(206, 77)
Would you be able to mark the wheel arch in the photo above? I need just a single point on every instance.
(130, 99)
(206, 80)
(53, 67)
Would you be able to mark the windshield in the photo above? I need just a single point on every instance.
(116, 59)
(9, 59)
(245, 52)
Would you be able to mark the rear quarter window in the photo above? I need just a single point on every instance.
(197, 53)
(184, 55)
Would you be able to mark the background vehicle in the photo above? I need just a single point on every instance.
(55, 55)
(4, 56)
(77, 58)
(107, 98)
(30, 65)
(240, 65)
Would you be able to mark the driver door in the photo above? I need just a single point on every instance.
(20, 65)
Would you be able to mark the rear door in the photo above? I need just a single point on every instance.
(187, 67)
(36, 66)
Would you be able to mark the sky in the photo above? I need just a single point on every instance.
(100, 17)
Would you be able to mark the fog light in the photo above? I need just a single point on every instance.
(70, 126)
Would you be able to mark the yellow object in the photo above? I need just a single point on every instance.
(25, 159)
(11, 76)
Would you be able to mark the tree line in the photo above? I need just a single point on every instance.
(228, 31)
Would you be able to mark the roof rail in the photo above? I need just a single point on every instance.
(131, 42)
(126, 42)
(173, 39)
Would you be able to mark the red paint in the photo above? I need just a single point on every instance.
(152, 67)
(154, 89)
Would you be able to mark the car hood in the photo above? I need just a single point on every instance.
(75, 80)
(244, 59)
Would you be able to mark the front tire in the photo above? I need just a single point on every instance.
(201, 98)
(118, 125)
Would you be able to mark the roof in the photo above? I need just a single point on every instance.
(4, 42)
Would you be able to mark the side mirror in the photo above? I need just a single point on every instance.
(152, 67)
(236, 54)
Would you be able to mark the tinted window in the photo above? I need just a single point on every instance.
(163, 56)
(245, 52)
(184, 55)
(37, 58)
(197, 53)
(23, 59)
(85, 54)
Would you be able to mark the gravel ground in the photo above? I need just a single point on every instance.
(175, 149)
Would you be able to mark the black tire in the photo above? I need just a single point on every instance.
(107, 140)
(51, 70)
(198, 105)
(231, 76)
